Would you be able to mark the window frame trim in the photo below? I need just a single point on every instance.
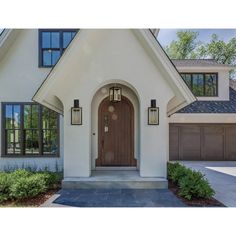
(204, 82)
(61, 49)
(22, 155)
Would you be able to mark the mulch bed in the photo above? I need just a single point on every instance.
(212, 202)
(32, 202)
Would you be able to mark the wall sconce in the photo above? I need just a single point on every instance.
(153, 113)
(76, 113)
(115, 94)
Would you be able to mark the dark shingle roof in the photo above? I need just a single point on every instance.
(212, 106)
(197, 62)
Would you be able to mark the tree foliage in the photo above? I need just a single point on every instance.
(222, 52)
(185, 45)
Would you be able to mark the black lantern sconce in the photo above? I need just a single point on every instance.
(115, 94)
(153, 113)
(76, 113)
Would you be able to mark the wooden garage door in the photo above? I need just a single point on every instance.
(206, 142)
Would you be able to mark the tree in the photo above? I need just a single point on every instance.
(222, 52)
(185, 46)
(188, 47)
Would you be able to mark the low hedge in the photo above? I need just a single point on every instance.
(21, 184)
(192, 184)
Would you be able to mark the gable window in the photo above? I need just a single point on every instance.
(29, 129)
(202, 84)
(52, 44)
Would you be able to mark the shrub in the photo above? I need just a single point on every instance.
(195, 185)
(192, 183)
(21, 183)
(52, 179)
(20, 173)
(5, 184)
(28, 187)
(176, 172)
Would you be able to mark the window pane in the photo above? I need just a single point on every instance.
(45, 118)
(34, 116)
(9, 120)
(187, 79)
(73, 34)
(50, 142)
(27, 116)
(55, 39)
(47, 57)
(17, 142)
(211, 87)
(53, 120)
(67, 36)
(16, 118)
(10, 141)
(55, 57)
(31, 142)
(198, 84)
(46, 42)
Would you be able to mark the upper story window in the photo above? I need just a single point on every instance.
(202, 84)
(52, 44)
(29, 129)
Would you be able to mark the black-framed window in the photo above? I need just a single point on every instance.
(29, 129)
(202, 84)
(52, 43)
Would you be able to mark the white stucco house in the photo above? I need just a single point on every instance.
(90, 100)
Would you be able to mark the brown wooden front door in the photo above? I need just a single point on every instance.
(116, 133)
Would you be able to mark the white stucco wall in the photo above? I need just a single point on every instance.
(202, 118)
(20, 78)
(223, 80)
(103, 57)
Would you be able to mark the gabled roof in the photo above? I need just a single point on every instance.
(7, 37)
(199, 63)
(183, 96)
(213, 106)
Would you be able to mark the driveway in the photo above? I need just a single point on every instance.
(114, 198)
(222, 177)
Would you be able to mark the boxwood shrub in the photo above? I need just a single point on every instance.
(191, 183)
(21, 184)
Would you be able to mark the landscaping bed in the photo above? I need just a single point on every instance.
(30, 202)
(195, 202)
(22, 188)
(191, 186)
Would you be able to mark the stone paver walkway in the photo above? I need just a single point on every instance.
(114, 198)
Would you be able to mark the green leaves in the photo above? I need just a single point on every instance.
(21, 184)
(187, 46)
(192, 184)
(184, 47)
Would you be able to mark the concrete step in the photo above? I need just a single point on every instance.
(113, 180)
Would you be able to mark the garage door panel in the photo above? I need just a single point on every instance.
(230, 152)
(174, 143)
(210, 142)
(190, 143)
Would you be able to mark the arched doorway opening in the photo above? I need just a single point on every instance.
(116, 133)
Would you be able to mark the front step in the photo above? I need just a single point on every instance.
(115, 180)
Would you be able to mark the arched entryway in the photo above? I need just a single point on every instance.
(116, 133)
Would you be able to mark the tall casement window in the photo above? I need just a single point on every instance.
(52, 44)
(29, 129)
(202, 84)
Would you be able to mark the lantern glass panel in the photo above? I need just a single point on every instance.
(153, 116)
(76, 116)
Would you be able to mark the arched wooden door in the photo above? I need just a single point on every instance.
(116, 133)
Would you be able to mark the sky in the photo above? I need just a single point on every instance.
(167, 35)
